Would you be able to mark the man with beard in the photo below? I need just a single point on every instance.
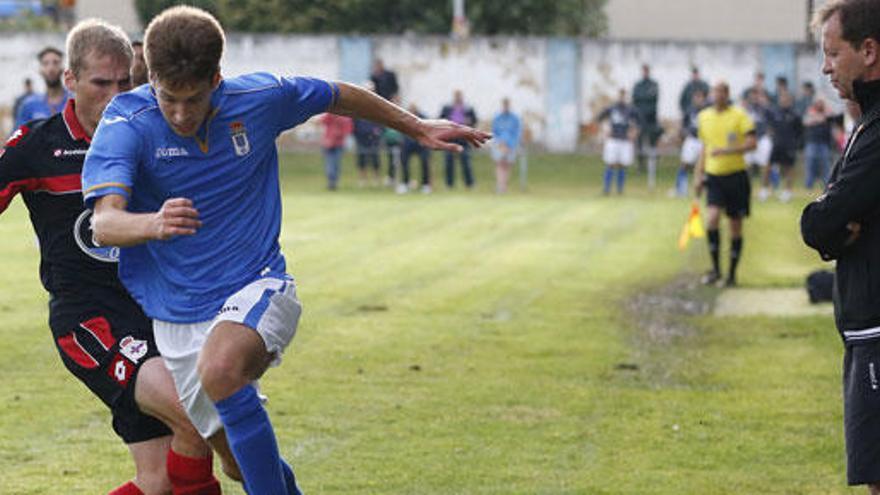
(45, 105)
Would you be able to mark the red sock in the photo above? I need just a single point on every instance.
(191, 476)
(128, 489)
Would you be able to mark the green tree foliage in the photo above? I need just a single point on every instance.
(488, 17)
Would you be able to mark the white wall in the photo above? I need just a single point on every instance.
(700, 20)
(486, 69)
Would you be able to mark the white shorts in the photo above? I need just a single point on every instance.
(268, 305)
(690, 150)
(617, 152)
(761, 155)
(503, 153)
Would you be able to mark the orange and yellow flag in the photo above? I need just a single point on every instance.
(693, 227)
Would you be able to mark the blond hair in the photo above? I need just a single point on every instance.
(94, 36)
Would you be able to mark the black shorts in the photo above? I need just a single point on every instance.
(861, 412)
(732, 192)
(649, 134)
(784, 157)
(104, 345)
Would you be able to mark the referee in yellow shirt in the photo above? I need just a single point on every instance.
(727, 134)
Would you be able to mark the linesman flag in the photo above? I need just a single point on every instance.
(693, 227)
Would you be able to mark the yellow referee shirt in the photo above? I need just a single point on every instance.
(721, 130)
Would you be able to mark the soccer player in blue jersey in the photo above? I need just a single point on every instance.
(617, 153)
(183, 175)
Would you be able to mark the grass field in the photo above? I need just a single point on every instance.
(465, 343)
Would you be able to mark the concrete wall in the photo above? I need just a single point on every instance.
(701, 20)
(119, 12)
(558, 85)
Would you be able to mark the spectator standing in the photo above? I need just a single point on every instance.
(412, 147)
(336, 130)
(805, 100)
(787, 128)
(367, 138)
(817, 143)
(645, 95)
(460, 113)
(696, 83)
(45, 105)
(691, 147)
(617, 152)
(758, 107)
(384, 80)
(758, 86)
(397, 177)
(781, 90)
(506, 134)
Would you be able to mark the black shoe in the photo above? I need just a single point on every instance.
(729, 283)
(710, 278)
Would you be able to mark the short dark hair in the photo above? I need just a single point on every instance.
(859, 19)
(49, 49)
(137, 43)
(183, 46)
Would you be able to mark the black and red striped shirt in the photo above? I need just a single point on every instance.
(43, 161)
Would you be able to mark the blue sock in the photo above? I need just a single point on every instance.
(621, 178)
(252, 442)
(681, 182)
(774, 177)
(607, 179)
(290, 479)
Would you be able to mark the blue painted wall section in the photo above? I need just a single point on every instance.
(355, 59)
(779, 59)
(562, 83)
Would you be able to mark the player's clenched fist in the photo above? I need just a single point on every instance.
(177, 216)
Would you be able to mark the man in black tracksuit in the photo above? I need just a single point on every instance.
(844, 225)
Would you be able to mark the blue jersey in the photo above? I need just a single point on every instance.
(230, 173)
(506, 128)
(37, 106)
(622, 117)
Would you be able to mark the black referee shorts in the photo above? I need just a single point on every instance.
(861, 412)
(731, 192)
(104, 345)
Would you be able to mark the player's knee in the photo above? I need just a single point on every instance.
(220, 377)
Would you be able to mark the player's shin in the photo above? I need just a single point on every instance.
(191, 475)
(253, 443)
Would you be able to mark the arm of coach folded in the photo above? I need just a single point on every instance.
(853, 196)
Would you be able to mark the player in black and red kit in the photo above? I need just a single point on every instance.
(101, 333)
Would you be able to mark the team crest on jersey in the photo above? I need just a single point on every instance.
(132, 348)
(239, 138)
(85, 239)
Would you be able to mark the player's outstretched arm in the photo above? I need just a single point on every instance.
(354, 101)
(113, 225)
